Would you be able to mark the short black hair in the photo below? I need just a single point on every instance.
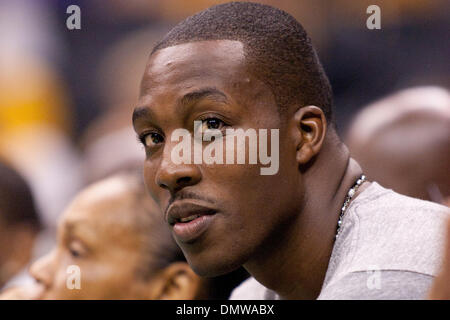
(278, 50)
(17, 205)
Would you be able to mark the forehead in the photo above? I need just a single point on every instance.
(102, 206)
(183, 66)
(175, 72)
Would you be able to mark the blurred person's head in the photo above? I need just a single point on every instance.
(114, 233)
(19, 223)
(403, 142)
(109, 145)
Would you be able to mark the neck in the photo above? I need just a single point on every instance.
(295, 262)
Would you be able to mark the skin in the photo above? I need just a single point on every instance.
(441, 289)
(98, 229)
(284, 222)
(16, 246)
(403, 142)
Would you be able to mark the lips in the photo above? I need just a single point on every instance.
(182, 211)
(189, 220)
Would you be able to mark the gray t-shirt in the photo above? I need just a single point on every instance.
(390, 247)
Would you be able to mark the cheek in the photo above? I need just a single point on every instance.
(111, 277)
(75, 278)
(257, 203)
(155, 191)
(99, 280)
(245, 184)
(149, 174)
(250, 198)
(63, 285)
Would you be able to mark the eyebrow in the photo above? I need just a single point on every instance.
(73, 228)
(140, 112)
(203, 93)
(186, 101)
(70, 227)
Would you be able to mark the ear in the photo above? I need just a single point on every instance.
(311, 127)
(176, 282)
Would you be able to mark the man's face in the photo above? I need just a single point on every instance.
(239, 208)
(96, 233)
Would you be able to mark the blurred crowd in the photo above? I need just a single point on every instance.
(69, 154)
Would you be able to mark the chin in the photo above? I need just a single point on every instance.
(213, 266)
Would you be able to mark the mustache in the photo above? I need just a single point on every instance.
(188, 195)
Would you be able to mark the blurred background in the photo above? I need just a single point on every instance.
(66, 96)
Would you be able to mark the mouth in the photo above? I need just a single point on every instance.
(189, 220)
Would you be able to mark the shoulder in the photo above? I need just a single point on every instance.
(377, 202)
(378, 285)
(389, 231)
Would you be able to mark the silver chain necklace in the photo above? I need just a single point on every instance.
(348, 198)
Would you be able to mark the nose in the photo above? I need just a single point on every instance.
(175, 177)
(41, 270)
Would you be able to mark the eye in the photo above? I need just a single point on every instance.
(76, 249)
(151, 139)
(74, 253)
(212, 124)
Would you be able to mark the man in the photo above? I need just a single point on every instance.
(246, 65)
(403, 142)
(19, 224)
